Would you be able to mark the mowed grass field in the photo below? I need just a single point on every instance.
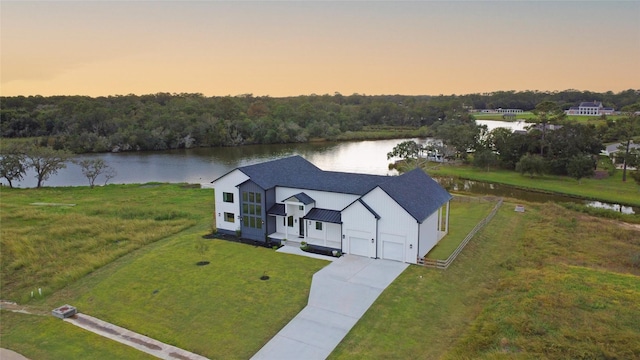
(579, 274)
(545, 284)
(47, 244)
(139, 271)
(529, 116)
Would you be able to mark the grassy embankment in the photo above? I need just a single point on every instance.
(382, 132)
(610, 189)
(548, 283)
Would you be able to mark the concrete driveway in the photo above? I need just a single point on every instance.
(340, 294)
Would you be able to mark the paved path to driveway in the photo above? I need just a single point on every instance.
(340, 294)
(135, 340)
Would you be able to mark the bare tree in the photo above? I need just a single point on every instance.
(12, 165)
(46, 161)
(109, 174)
(92, 168)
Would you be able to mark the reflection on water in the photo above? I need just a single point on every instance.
(202, 165)
(511, 125)
(615, 207)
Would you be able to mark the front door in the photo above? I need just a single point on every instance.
(301, 222)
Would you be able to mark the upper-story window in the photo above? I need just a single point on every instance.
(227, 197)
(252, 209)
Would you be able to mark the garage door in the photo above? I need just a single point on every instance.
(359, 246)
(392, 247)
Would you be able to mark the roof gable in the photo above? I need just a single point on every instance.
(417, 193)
(302, 198)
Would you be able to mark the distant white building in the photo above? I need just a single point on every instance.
(594, 108)
(502, 111)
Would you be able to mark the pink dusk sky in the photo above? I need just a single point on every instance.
(100, 48)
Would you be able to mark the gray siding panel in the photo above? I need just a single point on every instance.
(249, 232)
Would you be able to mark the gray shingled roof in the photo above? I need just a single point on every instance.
(301, 197)
(324, 215)
(277, 209)
(417, 193)
(296, 172)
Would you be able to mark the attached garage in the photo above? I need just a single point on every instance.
(359, 246)
(359, 223)
(392, 247)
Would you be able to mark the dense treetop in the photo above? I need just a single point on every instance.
(168, 121)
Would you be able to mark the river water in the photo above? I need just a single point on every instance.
(202, 165)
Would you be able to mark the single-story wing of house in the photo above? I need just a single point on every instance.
(390, 217)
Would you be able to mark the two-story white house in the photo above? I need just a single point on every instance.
(391, 217)
(594, 108)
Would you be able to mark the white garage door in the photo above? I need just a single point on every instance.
(392, 247)
(359, 246)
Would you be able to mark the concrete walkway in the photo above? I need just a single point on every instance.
(135, 340)
(6, 354)
(340, 294)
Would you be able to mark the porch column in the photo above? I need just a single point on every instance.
(447, 219)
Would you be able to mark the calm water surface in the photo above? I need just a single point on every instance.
(202, 165)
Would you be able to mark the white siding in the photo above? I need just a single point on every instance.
(281, 225)
(329, 236)
(428, 234)
(323, 199)
(228, 183)
(394, 220)
(358, 223)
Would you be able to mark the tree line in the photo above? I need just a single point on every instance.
(163, 121)
(552, 144)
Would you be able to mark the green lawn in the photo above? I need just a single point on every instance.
(579, 274)
(127, 254)
(611, 189)
(466, 213)
(40, 337)
(487, 116)
(49, 247)
(583, 119)
(548, 283)
(222, 310)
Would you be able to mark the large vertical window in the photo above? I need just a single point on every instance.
(290, 221)
(227, 197)
(252, 209)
